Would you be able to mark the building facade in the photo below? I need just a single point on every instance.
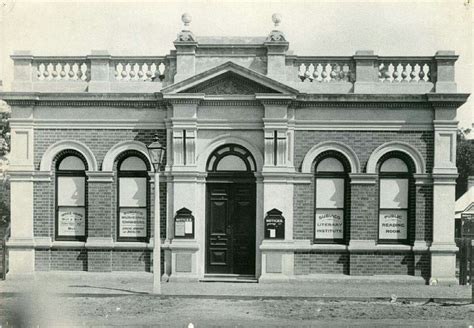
(277, 166)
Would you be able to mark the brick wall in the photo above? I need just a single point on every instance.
(364, 223)
(95, 260)
(131, 260)
(100, 210)
(390, 263)
(68, 260)
(423, 265)
(99, 141)
(363, 220)
(99, 260)
(364, 142)
(321, 262)
(42, 259)
(424, 212)
(101, 197)
(43, 210)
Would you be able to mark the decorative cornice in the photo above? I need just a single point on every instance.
(229, 67)
(84, 99)
(357, 125)
(228, 103)
(87, 124)
(363, 178)
(447, 100)
(100, 176)
(361, 104)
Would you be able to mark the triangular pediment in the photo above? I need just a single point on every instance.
(229, 83)
(229, 79)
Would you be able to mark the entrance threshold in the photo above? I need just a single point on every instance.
(229, 278)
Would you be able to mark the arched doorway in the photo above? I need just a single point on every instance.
(230, 211)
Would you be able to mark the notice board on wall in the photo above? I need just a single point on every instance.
(184, 224)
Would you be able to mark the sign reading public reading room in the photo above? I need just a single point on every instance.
(132, 222)
(329, 224)
(71, 222)
(393, 225)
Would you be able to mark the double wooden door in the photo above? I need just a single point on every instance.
(230, 228)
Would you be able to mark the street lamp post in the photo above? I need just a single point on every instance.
(156, 152)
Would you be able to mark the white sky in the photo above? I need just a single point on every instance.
(326, 28)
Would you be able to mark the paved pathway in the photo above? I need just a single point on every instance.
(116, 284)
(325, 287)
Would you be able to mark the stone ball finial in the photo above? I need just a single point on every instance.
(186, 19)
(276, 18)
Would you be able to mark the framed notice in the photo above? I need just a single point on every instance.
(132, 223)
(393, 225)
(71, 222)
(274, 225)
(329, 224)
(184, 224)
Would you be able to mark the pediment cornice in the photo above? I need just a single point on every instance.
(247, 82)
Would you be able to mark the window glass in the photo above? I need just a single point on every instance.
(132, 191)
(329, 193)
(394, 165)
(231, 163)
(330, 164)
(133, 163)
(71, 191)
(393, 193)
(70, 199)
(72, 163)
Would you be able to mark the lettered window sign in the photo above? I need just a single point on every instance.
(71, 200)
(132, 213)
(329, 200)
(393, 199)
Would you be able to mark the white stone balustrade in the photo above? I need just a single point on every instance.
(399, 70)
(364, 72)
(320, 70)
(72, 69)
(137, 69)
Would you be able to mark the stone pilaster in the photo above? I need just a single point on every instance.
(443, 248)
(366, 71)
(445, 82)
(100, 71)
(21, 251)
(185, 45)
(23, 72)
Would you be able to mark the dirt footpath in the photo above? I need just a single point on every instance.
(48, 311)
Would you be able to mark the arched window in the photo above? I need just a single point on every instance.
(395, 179)
(71, 209)
(230, 158)
(331, 171)
(133, 198)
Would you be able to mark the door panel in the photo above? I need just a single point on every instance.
(218, 241)
(243, 228)
(230, 228)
